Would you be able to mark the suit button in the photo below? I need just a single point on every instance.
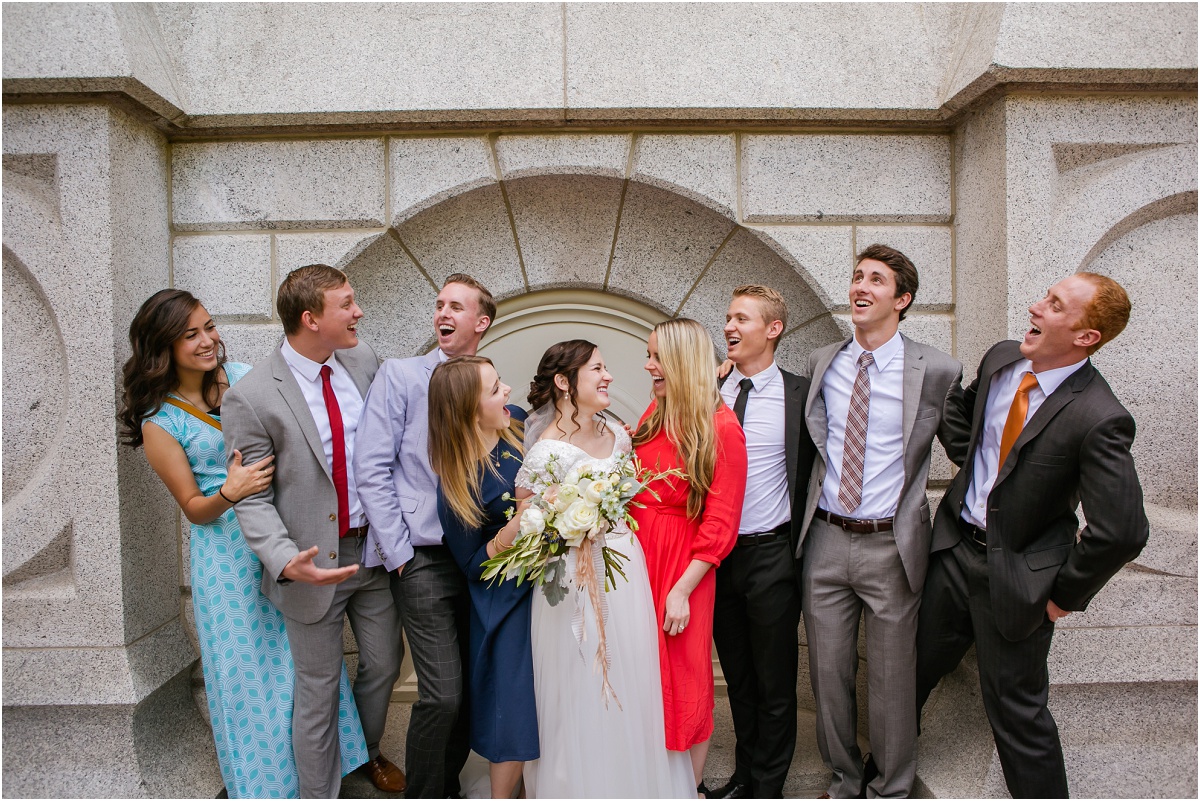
(333, 554)
(333, 517)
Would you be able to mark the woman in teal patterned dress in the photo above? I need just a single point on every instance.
(174, 383)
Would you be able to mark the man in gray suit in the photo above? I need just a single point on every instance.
(1008, 558)
(399, 494)
(302, 405)
(875, 404)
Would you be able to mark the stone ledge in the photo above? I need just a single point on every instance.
(1123, 654)
(82, 676)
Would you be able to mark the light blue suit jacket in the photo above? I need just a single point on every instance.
(396, 485)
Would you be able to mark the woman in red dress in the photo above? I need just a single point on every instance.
(692, 525)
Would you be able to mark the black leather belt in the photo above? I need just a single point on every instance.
(781, 532)
(973, 534)
(854, 525)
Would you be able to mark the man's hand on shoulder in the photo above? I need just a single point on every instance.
(301, 568)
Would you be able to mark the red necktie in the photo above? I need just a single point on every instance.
(339, 451)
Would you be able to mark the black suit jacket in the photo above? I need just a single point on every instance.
(1075, 449)
(800, 448)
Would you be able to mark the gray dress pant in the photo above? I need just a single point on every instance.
(435, 607)
(317, 652)
(845, 575)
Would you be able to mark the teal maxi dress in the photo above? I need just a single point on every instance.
(244, 650)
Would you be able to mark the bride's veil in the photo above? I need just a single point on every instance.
(537, 422)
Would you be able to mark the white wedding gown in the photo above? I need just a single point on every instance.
(589, 750)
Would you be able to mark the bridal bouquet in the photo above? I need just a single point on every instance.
(581, 506)
(575, 512)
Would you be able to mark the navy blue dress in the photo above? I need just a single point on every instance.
(500, 665)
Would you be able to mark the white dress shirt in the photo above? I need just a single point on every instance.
(308, 375)
(1004, 388)
(883, 463)
(767, 504)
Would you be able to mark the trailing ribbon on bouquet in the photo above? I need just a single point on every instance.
(585, 578)
(574, 512)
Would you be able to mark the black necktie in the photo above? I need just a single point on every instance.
(739, 405)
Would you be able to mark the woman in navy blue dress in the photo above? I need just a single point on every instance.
(476, 455)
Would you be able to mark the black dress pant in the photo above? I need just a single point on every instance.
(1013, 677)
(755, 623)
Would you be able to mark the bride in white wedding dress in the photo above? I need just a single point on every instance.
(590, 749)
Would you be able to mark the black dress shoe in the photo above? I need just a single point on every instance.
(733, 789)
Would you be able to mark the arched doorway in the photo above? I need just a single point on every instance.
(526, 325)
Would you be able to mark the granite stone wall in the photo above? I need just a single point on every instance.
(652, 154)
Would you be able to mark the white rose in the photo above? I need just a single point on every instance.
(567, 495)
(532, 521)
(596, 490)
(577, 521)
(572, 477)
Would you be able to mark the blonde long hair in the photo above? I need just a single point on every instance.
(689, 368)
(458, 452)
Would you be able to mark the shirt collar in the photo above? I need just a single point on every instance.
(883, 354)
(303, 365)
(1049, 380)
(761, 379)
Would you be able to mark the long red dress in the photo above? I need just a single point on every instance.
(671, 541)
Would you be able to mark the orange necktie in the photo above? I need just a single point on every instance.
(1016, 417)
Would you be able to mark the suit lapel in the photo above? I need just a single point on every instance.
(432, 360)
(793, 419)
(1054, 404)
(818, 426)
(979, 414)
(360, 379)
(914, 380)
(294, 398)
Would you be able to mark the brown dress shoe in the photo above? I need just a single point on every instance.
(386, 776)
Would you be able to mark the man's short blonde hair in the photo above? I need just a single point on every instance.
(770, 303)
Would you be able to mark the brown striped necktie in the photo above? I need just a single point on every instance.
(854, 449)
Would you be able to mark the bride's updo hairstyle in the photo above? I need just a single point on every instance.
(565, 359)
(689, 368)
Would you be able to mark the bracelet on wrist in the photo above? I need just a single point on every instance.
(230, 501)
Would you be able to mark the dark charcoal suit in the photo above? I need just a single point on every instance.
(1075, 448)
(755, 623)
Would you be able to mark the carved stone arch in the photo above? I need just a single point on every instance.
(1103, 198)
(39, 538)
(562, 231)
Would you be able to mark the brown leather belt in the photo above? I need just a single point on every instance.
(360, 531)
(854, 525)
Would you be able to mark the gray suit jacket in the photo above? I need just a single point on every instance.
(1075, 448)
(396, 485)
(265, 413)
(932, 380)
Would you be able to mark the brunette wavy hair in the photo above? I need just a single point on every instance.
(565, 359)
(149, 374)
(689, 368)
(457, 451)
